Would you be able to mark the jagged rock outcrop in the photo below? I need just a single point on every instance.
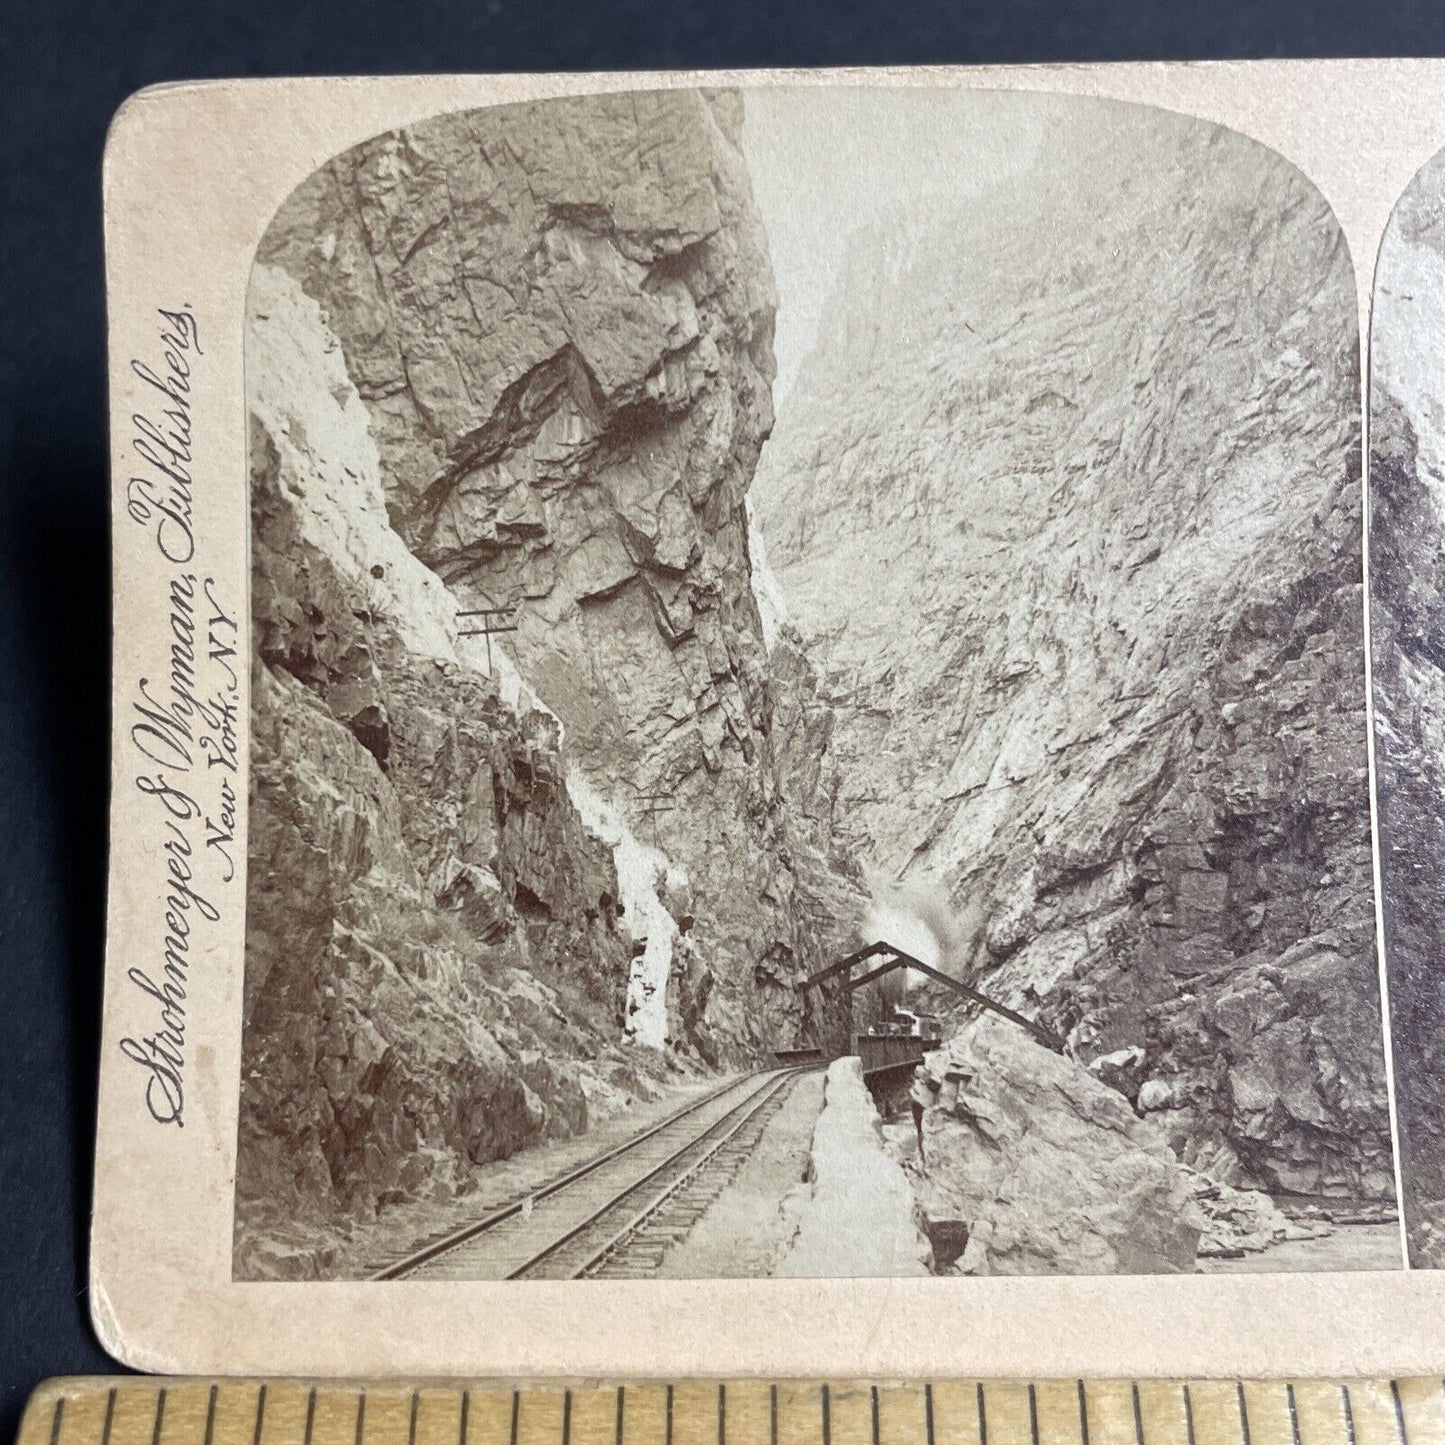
(435, 967)
(1045, 1169)
(1237, 1221)
(1407, 622)
(559, 320)
(518, 358)
(1066, 505)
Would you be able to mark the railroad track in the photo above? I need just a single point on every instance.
(617, 1215)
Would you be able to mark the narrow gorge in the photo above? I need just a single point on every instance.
(1066, 504)
(512, 359)
(595, 707)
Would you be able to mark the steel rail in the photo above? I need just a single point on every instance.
(746, 1110)
(448, 1242)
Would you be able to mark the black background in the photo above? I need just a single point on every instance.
(64, 68)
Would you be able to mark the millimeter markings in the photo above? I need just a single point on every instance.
(141, 1411)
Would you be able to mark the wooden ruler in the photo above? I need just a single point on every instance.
(151, 1411)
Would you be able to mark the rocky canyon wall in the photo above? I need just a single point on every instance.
(1407, 622)
(1065, 504)
(435, 967)
(518, 358)
(559, 319)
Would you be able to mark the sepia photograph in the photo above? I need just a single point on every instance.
(1407, 568)
(809, 700)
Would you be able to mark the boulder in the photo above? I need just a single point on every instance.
(1050, 1170)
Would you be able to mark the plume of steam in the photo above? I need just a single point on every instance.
(916, 918)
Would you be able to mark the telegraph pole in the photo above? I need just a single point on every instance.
(493, 620)
(651, 804)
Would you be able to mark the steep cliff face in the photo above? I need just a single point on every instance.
(1066, 504)
(1407, 622)
(559, 322)
(436, 970)
(517, 359)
